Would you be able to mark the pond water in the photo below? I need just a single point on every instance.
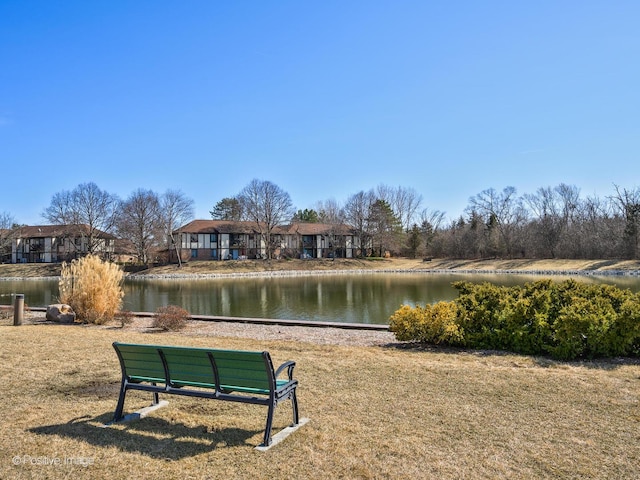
(354, 298)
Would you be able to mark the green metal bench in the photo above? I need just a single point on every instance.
(232, 375)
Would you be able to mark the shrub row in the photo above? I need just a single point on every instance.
(567, 320)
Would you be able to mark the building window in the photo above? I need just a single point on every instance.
(308, 240)
(213, 238)
(214, 253)
(194, 253)
(193, 238)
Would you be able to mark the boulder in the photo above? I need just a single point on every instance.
(61, 313)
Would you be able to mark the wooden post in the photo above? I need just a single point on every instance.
(18, 309)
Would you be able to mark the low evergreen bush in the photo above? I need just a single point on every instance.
(429, 324)
(567, 320)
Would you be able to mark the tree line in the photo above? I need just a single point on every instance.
(552, 222)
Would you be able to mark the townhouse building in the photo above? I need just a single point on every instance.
(235, 240)
(57, 243)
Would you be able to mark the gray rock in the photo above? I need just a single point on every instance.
(61, 313)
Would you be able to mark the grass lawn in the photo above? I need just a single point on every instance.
(376, 412)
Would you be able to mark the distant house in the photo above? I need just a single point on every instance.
(218, 240)
(231, 240)
(320, 240)
(57, 243)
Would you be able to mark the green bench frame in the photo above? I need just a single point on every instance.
(232, 375)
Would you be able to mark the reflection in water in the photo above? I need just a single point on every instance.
(354, 298)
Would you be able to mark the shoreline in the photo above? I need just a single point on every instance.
(310, 273)
(202, 269)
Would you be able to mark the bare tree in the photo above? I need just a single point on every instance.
(330, 212)
(268, 206)
(88, 206)
(357, 212)
(7, 222)
(140, 221)
(7, 230)
(430, 223)
(597, 231)
(175, 210)
(553, 209)
(404, 202)
(628, 201)
(503, 211)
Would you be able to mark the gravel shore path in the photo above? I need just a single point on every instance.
(200, 328)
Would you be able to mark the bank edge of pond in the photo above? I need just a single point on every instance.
(316, 273)
(260, 321)
(313, 273)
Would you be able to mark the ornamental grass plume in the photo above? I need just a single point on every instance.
(93, 288)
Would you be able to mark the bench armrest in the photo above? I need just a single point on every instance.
(289, 366)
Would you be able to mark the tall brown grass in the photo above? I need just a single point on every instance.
(92, 287)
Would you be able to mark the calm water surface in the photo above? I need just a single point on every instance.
(358, 298)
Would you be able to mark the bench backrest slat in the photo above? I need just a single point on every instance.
(242, 371)
(247, 370)
(189, 367)
(142, 362)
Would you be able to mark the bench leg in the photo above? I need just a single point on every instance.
(272, 406)
(120, 406)
(294, 406)
(267, 430)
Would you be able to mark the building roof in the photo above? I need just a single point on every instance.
(299, 228)
(51, 231)
(303, 228)
(218, 226)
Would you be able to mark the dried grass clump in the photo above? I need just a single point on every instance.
(92, 287)
(125, 317)
(171, 317)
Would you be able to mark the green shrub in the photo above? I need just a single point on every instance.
(626, 332)
(480, 313)
(92, 287)
(430, 324)
(566, 319)
(171, 317)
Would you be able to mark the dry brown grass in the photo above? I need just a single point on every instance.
(92, 287)
(26, 270)
(204, 267)
(376, 412)
(243, 266)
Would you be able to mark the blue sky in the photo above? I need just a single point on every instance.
(324, 99)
